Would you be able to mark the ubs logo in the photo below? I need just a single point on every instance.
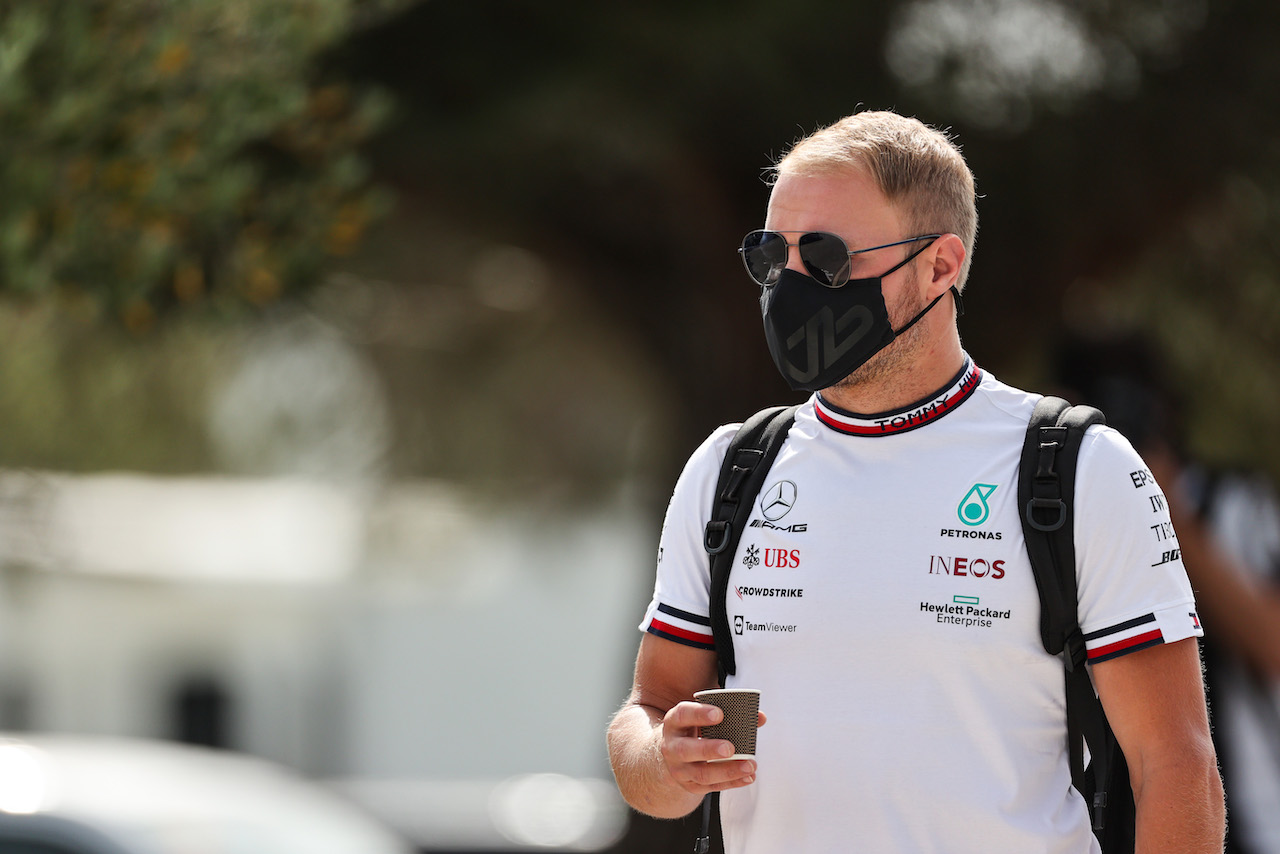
(777, 500)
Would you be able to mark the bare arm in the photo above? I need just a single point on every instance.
(659, 763)
(1155, 702)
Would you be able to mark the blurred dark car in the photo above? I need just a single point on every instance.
(90, 795)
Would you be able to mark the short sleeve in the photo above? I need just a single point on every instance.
(1133, 588)
(680, 608)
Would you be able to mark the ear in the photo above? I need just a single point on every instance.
(946, 257)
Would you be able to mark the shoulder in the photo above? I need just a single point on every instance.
(703, 466)
(1106, 449)
(717, 444)
(1006, 402)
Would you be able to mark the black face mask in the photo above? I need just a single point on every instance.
(819, 335)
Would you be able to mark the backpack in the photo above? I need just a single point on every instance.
(1046, 489)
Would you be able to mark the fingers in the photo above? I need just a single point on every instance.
(688, 715)
(703, 777)
(689, 758)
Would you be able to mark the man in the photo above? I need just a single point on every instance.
(911, 705)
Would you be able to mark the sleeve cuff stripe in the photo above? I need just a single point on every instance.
(1122, 647)
(671, 633)
(1121, 627)
(684, 615)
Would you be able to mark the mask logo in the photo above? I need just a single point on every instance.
(973, 509)
(778, 500)
(820, 330)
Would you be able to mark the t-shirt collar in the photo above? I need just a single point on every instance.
(922, 412)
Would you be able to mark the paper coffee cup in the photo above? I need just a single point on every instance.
(741, 707)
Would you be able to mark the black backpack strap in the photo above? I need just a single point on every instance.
(746, 463)
(1046, 489)
(1046, 493)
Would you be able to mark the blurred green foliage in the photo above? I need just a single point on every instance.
(93, 397)
(155, 154)
(166, 152)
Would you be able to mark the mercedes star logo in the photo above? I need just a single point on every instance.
(777, 500)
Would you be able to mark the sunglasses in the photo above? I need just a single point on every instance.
(826, 256)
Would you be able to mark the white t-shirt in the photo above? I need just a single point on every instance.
(883, 603)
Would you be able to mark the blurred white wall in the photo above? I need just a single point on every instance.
(408, 638)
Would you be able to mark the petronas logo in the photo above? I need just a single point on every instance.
(973, 509)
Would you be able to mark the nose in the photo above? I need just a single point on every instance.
(793, 259)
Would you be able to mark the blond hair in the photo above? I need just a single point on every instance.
(919, 169)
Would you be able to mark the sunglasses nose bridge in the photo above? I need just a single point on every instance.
(791, 260)
(794, 260)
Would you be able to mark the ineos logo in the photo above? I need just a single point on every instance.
(777, 500)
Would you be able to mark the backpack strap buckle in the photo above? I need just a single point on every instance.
(1046, 511)
(717, 536)
(1057, 505)
(1074, 653)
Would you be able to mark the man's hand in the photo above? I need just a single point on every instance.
(661, 765)
(689, 758)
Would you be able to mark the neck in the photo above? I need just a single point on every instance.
(899, 385)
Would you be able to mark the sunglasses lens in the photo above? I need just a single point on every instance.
(826, 257)
(765, 254)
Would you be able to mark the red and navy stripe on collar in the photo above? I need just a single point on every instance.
(904, 420)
